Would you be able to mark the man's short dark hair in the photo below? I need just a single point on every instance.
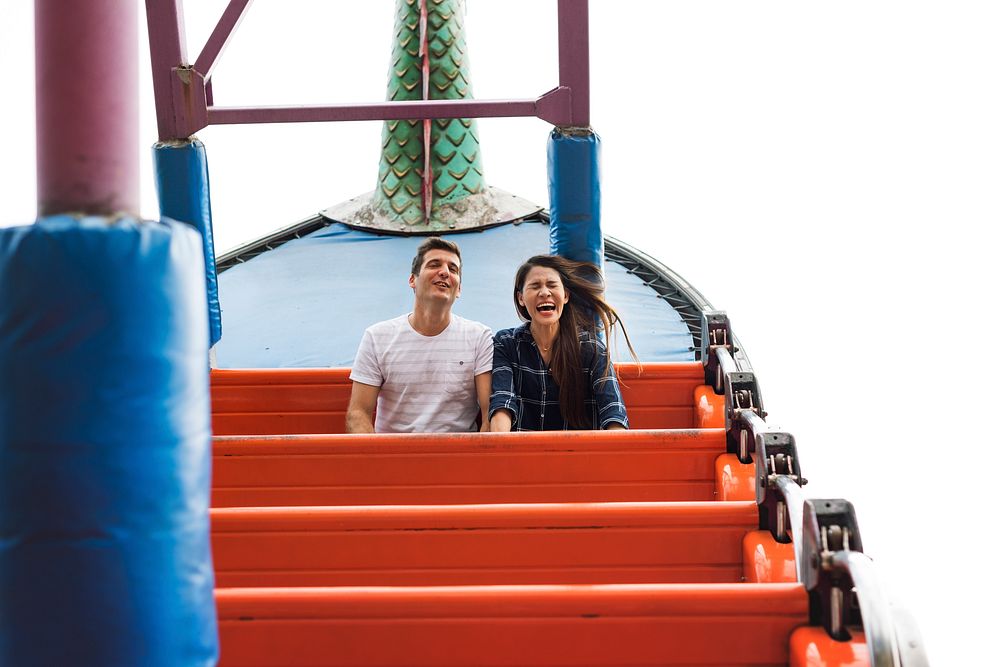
(434, 243)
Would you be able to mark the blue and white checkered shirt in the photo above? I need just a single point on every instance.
(523, 384)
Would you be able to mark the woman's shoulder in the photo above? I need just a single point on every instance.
(511, 334)
(589, 340)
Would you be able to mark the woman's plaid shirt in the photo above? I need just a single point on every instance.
(523, 384)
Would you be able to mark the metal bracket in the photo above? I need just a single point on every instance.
(555, 106)
(716, 333)
(830, 527)
(776, 457)
(190, 101)
(744, 409)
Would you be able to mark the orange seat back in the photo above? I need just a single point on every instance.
(598, 626)
(481, 544)
(314, 400)
(465, 468)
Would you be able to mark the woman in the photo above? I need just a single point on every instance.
(553, 372)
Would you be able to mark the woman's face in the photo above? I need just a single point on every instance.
(543, 295)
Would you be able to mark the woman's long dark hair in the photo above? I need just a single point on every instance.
(587, 311)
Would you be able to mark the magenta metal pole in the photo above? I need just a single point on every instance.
(165, 20)
(574, 57)
(87, 112)
(378, 111)
(224, 29)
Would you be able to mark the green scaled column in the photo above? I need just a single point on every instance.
(455, 162)
(430, 63)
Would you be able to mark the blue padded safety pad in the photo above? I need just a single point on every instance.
(183, 189)
(307, 302)
(574, 170)
(105, 443)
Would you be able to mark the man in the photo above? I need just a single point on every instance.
(428, 371)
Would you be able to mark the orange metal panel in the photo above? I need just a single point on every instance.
(734, 480)
(416, 494)
(469, 468)
(683, 370)
(278, 376)
(709, 408)
(654, 392)
(766, 560)
(532, 441)
(481, 544)
(301, 398)
(658, 417)
(279, 400)
(279, 422)
(812, 647)
(623, 625)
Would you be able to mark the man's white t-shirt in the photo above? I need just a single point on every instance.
(427, 382)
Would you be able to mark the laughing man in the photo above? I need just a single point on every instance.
(428, 371)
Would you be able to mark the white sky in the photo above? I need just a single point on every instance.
(825, 172)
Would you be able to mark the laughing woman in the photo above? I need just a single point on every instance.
(553, 372)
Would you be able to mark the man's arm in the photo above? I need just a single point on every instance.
(483, 387)
(360, 408)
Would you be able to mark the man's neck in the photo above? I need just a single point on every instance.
(429, 321)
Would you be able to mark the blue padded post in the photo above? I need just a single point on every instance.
(574, 160)
(105, 443)
(181, 169)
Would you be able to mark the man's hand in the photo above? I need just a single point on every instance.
(483, 388)
(360, 408)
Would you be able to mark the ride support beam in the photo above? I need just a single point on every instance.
(87, 107)
(217, 42)
(574, 58)
(185, 105)
(167, 51)
(574, 149)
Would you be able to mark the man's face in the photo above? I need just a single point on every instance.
(440, 278)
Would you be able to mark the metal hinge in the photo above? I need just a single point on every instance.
(716, 333)
(833, 529)
(743, 403)
(776, 458)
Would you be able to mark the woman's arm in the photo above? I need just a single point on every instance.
(501, 421)
(504, 393)
(607, 394)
